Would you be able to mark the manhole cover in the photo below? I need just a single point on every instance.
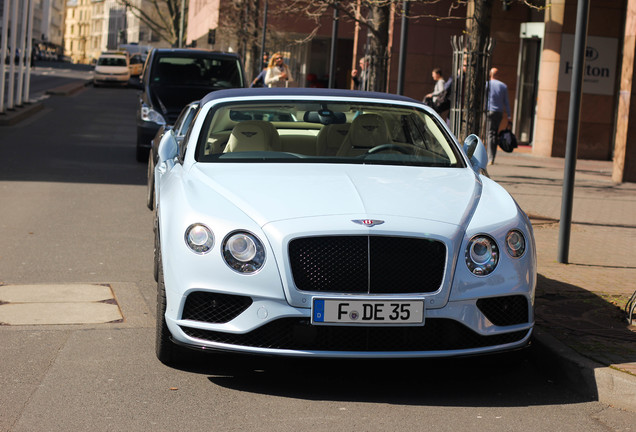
(58, 304)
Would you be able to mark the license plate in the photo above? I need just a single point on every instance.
(367, 312)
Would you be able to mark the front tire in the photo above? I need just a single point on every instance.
(156, 258)
(150, 197)
(167, 351)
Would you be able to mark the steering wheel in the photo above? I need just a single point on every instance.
(387, 147)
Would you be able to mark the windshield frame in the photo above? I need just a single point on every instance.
(215, 106)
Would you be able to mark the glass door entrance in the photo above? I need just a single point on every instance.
(527, 82)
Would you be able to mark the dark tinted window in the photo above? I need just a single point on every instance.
(111, 61)
(203, 71)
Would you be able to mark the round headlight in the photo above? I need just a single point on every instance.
(515, 243)
(482, 255)
(199, 238)
(243, 252)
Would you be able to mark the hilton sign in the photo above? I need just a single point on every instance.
(599, 72)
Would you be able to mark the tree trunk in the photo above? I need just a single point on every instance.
(378, 40)
(476, 73)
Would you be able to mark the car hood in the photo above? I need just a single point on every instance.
(274, 192)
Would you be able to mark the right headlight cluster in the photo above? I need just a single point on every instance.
(482, 252)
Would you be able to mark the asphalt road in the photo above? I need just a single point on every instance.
(72, 210)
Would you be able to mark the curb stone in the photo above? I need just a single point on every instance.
(585, 376)
(13, 117)
(68, 89)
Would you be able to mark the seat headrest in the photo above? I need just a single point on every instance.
(253, 135)
(330, 138)
(366, 131)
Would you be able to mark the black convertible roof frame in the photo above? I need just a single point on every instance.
(310, 93)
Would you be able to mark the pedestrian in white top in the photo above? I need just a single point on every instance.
(278, 74)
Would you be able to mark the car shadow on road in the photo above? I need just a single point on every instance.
(512, 379)
(503, 380)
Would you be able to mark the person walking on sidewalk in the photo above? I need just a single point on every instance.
(278, 74)
(433, 99)
(497, 104)
(360, 78)
(259, 81)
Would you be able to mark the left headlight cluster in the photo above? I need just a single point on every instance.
(482, 252)
(242, 251)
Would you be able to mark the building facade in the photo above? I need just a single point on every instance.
(95, 26)
(533, 50)
(48, 25)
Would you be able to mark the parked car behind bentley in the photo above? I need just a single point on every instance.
(174, 77)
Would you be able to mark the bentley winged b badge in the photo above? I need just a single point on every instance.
(368, 222)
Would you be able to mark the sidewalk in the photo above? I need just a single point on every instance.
(28, 109)
(580, 306)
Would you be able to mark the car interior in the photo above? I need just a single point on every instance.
(333, 132)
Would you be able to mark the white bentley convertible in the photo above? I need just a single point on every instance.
(327, 223)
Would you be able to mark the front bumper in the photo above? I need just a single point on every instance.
(111, 79)
(271, 328)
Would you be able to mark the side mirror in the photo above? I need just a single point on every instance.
(476, 152)
(167, 150)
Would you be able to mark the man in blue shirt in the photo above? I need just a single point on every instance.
(497, 105)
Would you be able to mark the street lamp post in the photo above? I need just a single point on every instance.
(578, 62)
(334, 47)
(181, 23)
(403, 40)
(3, 49)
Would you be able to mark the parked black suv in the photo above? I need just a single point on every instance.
(172, 78)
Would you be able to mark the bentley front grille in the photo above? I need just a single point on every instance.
(367, 264)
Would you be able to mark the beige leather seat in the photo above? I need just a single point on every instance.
(253, 135)
(366, 131)
(330, 139)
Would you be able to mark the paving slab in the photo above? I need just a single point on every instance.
(58, 304)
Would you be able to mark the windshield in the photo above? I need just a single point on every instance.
(197, 71)
(111, 61)
(329, 132)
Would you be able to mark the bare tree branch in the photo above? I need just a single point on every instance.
(162, 17)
